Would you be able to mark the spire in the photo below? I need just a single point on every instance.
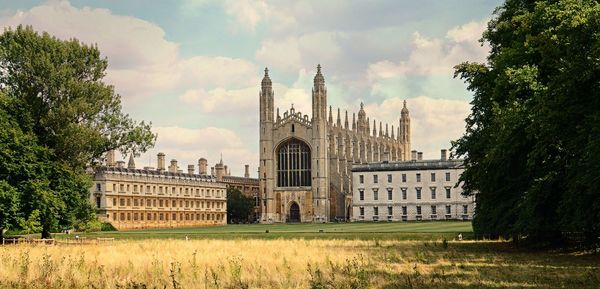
(368, 126)
(330, 116)
(266, 81)
(353, 121)
(346, 120)
(278, 117)
(319, 79)
(221, 161)
(404, 111)
(374, 128)
(392, 131)
(131, 164)
(380, 130)
(339, 121)
(386, 130)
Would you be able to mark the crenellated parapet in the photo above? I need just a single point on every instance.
(292, 116)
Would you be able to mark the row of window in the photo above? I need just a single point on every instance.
(161, 190)
(165, 217)
(164, 203)
(361, 178)
(390, 210)
(404, 193)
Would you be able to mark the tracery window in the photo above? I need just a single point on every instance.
(293, 165)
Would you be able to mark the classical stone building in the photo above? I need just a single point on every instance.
(410, 190)
(305, 162)
(131, 198)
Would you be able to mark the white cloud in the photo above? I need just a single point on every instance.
(434, 122)
(294, 53)
(142, 62)
(187, 145)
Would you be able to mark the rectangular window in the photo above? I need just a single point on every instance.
(128, 202)
(448, 212)
(160, 203)
(98, 201)
(114, 189)
(375, 179)
(418, 193)
(434, 210)
(121, 188)
(376, 211)
(404, 178)
(404, 210)
(389, 178)
(375, 195)
(361, 195)
(98, 187)
(389, 194)
(122, 202)
(135, 202)
(433, 195)
(390, 211)
(418, 178)
(362, 211)
(114, 202)
(465, 209)
(404, 193)
(448, 195)
(361, 179)
(433, 177)
(418, 210)
(447, 177)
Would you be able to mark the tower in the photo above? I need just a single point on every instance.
(266, 182)
(404, 131)
(320, 174)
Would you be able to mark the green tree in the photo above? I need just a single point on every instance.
(239, 206)
(58, 118)
(9, 207)
(531, 145)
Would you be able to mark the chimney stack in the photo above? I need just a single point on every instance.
(202, 166)
(420, 156)
(110, 158)
(212, 171)
(191, 169)
(444, 157)
(173, 167)
(161, 162)
(413, 155)
(247, 171)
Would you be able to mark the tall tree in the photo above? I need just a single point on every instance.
(54, 99)
(531, 144)
(239, 207)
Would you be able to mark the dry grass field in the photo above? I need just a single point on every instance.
(292, 263)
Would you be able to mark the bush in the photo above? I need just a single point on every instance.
(108, 227)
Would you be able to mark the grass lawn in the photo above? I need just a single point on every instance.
(360, 231)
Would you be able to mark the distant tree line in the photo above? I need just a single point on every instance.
(57, 119)
(532, 140)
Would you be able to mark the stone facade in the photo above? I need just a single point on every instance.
(410, 190)
(305, 163)
(131, 198)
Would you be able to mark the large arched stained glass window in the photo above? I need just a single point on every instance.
(293, 164)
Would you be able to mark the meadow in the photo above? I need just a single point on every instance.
(287, 262)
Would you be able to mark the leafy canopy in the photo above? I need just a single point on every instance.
(532, 145)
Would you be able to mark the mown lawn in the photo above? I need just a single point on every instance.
(359, 231)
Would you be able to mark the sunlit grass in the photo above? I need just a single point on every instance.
(292, 263)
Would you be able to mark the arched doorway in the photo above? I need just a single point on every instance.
(294, 213)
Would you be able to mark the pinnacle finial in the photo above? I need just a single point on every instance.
(266, 71)
(319, 68)
(362, 104)
(405, 103)
(221, 161)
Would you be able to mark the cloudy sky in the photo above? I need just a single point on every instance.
(193, 67)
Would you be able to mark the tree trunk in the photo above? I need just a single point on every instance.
(1, 234)
(46, 233)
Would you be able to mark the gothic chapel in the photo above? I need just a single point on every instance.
(305, 163)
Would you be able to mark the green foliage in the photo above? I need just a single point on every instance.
(239, 207)
(9, 207)
(57, 118)
(63, 99)
(32, 224)
(107, 227)
(531, 144)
